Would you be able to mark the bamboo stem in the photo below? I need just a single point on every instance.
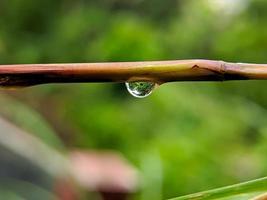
(156, 71)
(258, 185)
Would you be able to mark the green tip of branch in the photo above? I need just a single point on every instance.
(258, 185)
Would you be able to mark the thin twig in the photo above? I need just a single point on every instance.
(156, 71)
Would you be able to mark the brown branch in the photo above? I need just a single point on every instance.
(156, 71)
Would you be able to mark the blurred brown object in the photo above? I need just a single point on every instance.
(65, 189)
(105, 172)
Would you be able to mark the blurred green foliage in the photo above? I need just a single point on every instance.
(184, 138)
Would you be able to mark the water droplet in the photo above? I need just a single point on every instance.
(140, 89)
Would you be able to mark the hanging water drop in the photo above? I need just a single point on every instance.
(140, 89)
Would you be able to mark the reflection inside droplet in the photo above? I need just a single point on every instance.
(140, 89)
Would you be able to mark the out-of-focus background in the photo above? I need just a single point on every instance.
(95, 141)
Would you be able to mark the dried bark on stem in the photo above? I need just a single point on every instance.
(260, 197)
(156, 71)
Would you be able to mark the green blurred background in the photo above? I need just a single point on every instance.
(185, 137)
